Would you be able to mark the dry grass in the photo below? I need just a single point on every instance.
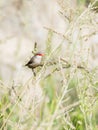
(63, 95)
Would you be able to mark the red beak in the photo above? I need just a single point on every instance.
(40, 54)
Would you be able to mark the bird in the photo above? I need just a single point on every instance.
(35, 61)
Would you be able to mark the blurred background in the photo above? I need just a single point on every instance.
(64, 95)
(23, 22)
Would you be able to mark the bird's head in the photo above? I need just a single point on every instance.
(38, 57)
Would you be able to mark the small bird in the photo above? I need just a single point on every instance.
(35, 61)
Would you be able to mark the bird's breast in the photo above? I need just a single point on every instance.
(37, 59)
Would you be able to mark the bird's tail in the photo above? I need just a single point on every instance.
(26, 64)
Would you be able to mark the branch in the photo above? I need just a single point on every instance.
(35, 48)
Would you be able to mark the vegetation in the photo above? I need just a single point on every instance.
(64, 93)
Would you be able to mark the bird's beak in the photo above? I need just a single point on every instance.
(42, 54)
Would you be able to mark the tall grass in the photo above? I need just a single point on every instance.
(63, 95)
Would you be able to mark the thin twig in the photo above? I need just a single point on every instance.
(65, 16)
(60, 34)
(35, 48)
(13, 88)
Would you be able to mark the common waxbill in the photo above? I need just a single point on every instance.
(35, 61)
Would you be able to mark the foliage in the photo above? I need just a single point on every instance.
(66, 97)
